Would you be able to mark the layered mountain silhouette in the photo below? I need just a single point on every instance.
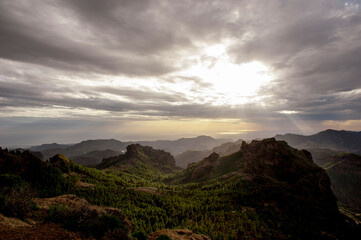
(183, 144)
(84, 152)
(345, 141)
(85, 147)
(44, 147)
(191, 156)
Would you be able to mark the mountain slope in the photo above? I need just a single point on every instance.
(280, 176)
(344, 170)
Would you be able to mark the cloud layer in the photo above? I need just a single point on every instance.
(109, 62)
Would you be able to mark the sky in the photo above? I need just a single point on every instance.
(150, 69)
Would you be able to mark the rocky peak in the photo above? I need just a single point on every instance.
(133, 150)
(138, 153)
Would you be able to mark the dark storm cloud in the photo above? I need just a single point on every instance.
(120, 37)
(313, 49)
(25, 42)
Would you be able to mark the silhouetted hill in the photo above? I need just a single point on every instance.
(330, 139)
(191, 156)
(86, 147)
(44, 147)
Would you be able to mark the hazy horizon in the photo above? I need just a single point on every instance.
(232, 138)
(149, 70)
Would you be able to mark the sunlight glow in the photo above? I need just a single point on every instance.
(288, 112)
(232, 83)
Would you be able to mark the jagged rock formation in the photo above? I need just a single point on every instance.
(279, 175)
(137, 153)
(328, 150)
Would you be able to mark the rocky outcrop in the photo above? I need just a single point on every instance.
(277, 175)
(156, 156)
(137, 153)
(178, 234)
(60, 161)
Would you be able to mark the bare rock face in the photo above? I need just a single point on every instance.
(11, 222)
(178, 234)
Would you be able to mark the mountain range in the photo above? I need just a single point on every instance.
(83, 152)
(265, 190)
(341, 141)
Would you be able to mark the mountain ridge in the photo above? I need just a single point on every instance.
(85, 147)
(329, 139)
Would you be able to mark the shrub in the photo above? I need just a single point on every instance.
(18, 203)
(49, 181)
(140, 235)
(10, 181)
(163, 237)
(89, 222)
